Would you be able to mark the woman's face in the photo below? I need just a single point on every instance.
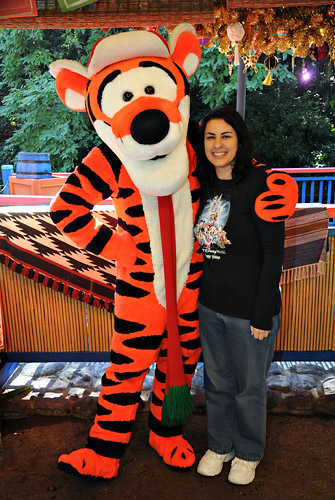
(221, 145)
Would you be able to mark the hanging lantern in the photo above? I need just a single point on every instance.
(331, 11)
(270, 63)
(282, 32)
(235, 32)
(230, 57)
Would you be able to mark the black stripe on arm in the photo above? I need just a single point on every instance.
(96, 181)
(99, 241)
(78, 223)
(59, 215)
(125, 193)
(73, 199)
(73, 180)
(112, 159)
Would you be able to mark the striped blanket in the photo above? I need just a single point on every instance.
(31, 245)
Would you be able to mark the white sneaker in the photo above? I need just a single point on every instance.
(242, 471)
(211, 463)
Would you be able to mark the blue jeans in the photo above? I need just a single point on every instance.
(236, 364)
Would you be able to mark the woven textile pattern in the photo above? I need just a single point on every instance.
(31, 245)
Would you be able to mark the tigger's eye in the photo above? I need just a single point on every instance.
(149, 90)
(127, 96)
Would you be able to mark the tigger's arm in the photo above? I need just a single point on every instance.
(278, 203)
(71, 210)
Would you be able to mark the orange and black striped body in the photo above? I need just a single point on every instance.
(140, 336)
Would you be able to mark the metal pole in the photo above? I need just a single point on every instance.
(241, 88)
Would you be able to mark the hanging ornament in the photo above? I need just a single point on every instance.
(282, 32)
(270, 63)
(318, 53)
(322, 51)
(250, 61)
(235, 32)
(331, 11)
(230, 57)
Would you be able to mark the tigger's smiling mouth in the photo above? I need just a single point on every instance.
(157, 157)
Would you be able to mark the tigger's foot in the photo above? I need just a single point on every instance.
(86, 463)
(175, 450)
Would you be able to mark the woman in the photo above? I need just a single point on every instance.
(240, 300)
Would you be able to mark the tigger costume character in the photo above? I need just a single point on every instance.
(135, 91)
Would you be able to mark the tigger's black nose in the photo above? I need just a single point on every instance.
(150, 126)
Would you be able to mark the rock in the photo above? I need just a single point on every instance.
(52, 369)
(302, 382)
(83, 380)
(279, 383)
(302, 402)
(328, 385)
(274, 369)
(306, 368)
(328, 403)
(15, 408)
(50, 405)
(85, 407)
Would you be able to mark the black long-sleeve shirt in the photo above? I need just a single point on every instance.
(243, 253)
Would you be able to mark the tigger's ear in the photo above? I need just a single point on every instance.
(71, 82)
(185, 48)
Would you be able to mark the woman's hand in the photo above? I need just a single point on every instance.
(259, 334)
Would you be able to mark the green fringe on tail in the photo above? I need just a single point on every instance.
(177, 405)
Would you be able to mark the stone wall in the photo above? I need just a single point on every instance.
(73, 389)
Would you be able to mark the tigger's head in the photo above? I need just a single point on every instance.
(135, 91)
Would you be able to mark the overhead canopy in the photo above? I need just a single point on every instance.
(117, 14)
(259, 4)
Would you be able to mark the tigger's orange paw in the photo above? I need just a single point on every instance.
(85, 462)
(175, 450)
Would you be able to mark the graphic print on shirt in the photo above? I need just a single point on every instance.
(210, 227)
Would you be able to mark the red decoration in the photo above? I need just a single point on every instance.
(18, 8)
(331, 11)
(318, 53)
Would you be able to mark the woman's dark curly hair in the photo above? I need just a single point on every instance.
(205, 171)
